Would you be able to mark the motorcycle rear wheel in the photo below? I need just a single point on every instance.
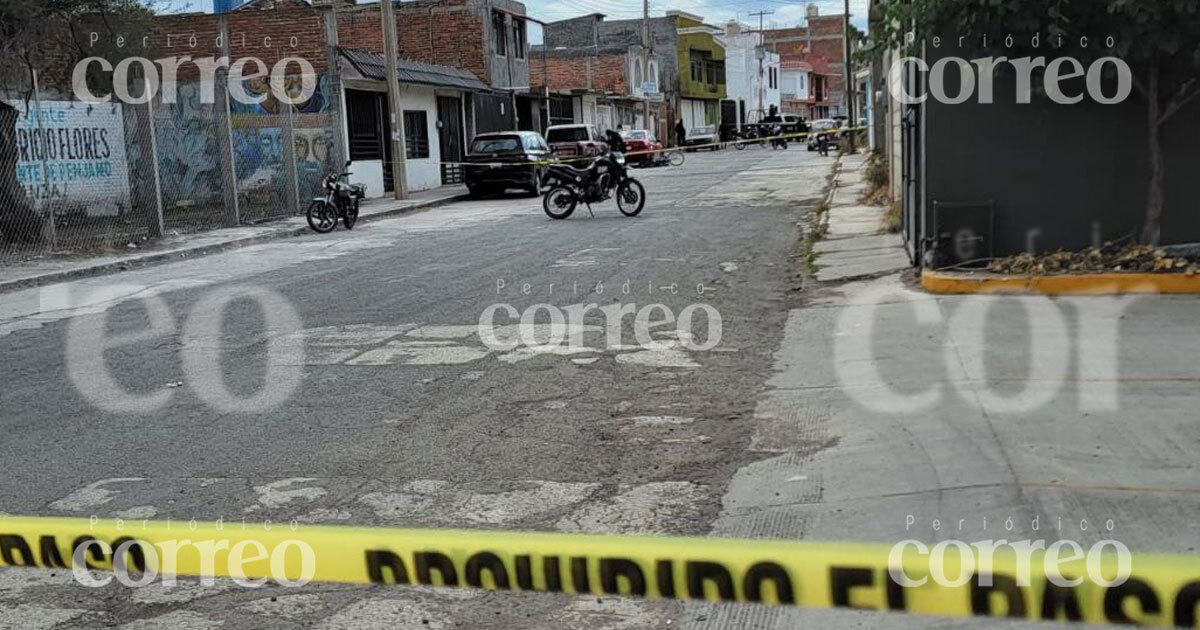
(559, 202)
(322, 217)
(351, 216)
(631, 197)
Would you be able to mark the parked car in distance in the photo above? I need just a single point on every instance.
(501, 160)
(703, 135)
(639, 140)
(818, 127)
(576, 141)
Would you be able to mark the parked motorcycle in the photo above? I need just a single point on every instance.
(599, 181)
(341, 200)
(747, 136)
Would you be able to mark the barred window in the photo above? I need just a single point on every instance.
(416, 135)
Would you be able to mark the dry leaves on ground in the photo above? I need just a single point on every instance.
(1109, 258)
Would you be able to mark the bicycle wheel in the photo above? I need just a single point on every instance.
(676, 158)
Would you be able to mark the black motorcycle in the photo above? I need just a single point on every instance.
(341, 200)
(747, 136)
(599, 181)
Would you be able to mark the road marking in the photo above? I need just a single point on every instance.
(90, 495)
(275, 494)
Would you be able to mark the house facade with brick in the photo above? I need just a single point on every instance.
(602, 86)
(460, 62)
(820, 46)
(687, 62)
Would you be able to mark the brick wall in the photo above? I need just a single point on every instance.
(445, 32)
(606, 72)
(294, 29)
(271, 32)
(821, 40)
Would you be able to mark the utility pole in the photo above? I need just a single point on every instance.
(390, 55)
(761, 52)
(646, 66)
(848, 92)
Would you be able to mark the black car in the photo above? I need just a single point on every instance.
(502, 160)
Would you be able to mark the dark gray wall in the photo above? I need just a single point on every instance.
(1059, 168)
(572, 33)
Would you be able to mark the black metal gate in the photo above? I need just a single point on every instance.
(450, 138)
(493, 112)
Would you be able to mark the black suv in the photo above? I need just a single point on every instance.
(509, 159)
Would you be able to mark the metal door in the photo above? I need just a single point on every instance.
(450, 138)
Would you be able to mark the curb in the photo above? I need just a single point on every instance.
(951, 283)
(150, 260)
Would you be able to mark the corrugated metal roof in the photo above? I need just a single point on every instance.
(372, 66)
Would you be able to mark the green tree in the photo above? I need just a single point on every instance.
(1159, 39)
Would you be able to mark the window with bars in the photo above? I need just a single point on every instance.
(416, 135)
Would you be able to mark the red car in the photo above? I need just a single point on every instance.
(641, 141)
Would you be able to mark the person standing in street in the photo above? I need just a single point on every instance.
(680, 133)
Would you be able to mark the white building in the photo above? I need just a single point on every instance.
(752, 73)
(794, 87)
(435, 117)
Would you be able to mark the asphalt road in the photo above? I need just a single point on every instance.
(341, 379)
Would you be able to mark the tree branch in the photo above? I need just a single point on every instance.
(1181, 98)
(1141, 88)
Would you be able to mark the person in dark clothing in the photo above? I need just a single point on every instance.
(615, 142)
(680, 133)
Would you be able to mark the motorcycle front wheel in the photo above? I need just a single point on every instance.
(559, 202)
(631, 197)
(322, 217)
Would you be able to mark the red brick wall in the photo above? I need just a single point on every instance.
(361, 29)
(821, 27)
(445, 32)
(608, 73)
(286, 29)
(294, 29)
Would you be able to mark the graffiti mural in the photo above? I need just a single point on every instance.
(189, 158)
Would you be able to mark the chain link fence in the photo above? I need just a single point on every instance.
(95, 179)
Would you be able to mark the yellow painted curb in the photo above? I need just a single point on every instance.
(942, 282)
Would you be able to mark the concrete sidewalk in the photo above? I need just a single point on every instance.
(855, 245)
(893, 414)
(49, 269)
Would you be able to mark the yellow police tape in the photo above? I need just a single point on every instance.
(690, 147)
(1159, 591)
